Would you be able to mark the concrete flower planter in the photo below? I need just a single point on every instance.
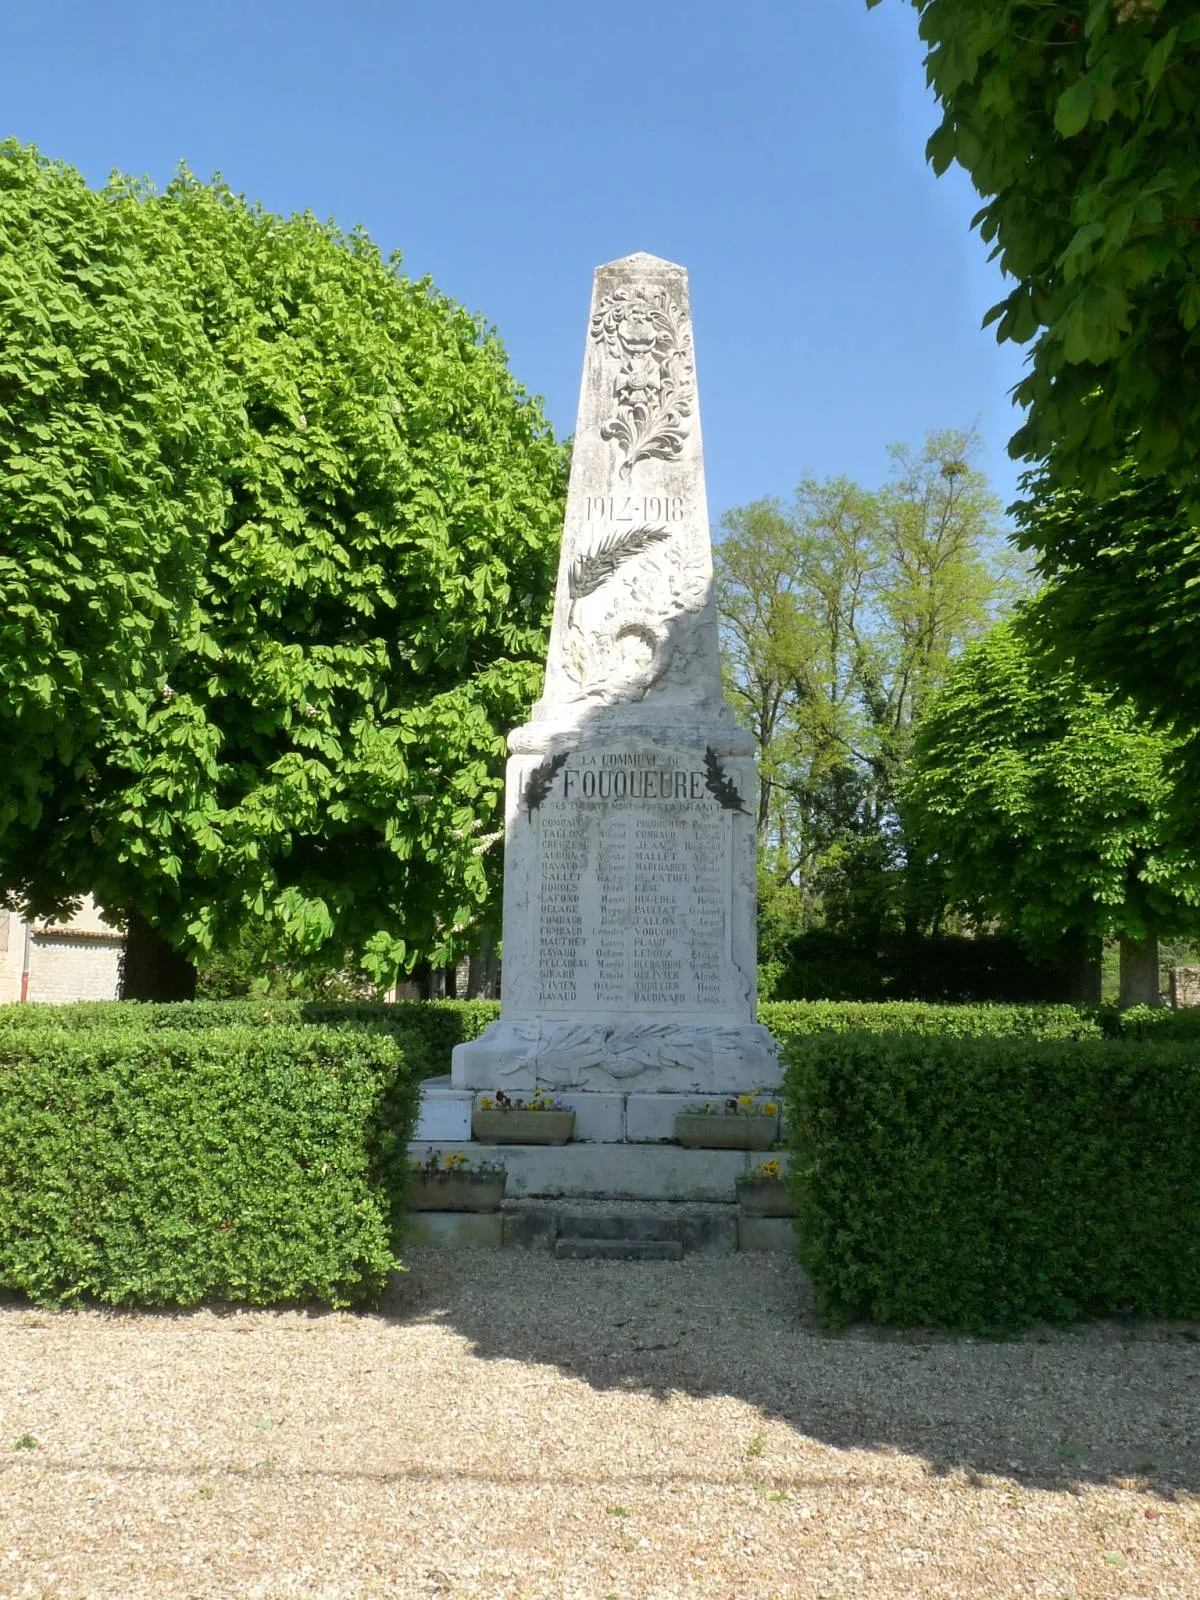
(717, 1132)
(522, 1127)
(765, 1197)
(456, 1191)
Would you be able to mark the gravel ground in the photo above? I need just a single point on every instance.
(511, 1426)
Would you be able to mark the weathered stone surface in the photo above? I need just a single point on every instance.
(650, 1118)
(444, 1112)
(616, 1171)
(767, 1233)
(618, 1250)
(629, 948)
(457, 1230)
(530, 1230)
(599, 1118)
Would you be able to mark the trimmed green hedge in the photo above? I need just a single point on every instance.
(987, 1184)
(440, 1024)
(792, 1019)
(444, 1023)
(1151, 1022)
(157, 1167)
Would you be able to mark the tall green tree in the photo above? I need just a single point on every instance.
(113, 421)
(322, 752)
(841, 614)
(1077, 124)
(1049, 808)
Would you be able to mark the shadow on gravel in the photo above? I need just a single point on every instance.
(1051, 1409)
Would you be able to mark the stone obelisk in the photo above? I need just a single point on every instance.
(629, 870)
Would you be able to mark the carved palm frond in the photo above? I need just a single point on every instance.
(540, 781)
(587, 572)
(719, 784)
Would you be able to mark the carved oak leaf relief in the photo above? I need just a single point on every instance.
(655, 387)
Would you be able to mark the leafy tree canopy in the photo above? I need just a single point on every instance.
(1123, 600)
(322, 749)
(1046, 805)
(1077, 124)
(841, 613)
(113, 420)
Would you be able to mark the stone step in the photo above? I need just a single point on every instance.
(613, 1230)
(610, 1171)
(600, 1118)
(631, 1224)
(582, 1249)
(708, 1231)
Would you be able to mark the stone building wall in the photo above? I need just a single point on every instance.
(78, 959)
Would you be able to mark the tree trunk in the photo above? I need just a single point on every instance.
(1139, 972)
(481, 984)
(150, 968)
(1082, 962)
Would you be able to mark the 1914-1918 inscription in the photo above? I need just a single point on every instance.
(634, 897)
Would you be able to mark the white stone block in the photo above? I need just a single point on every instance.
(650, 1118)
(445, 1112)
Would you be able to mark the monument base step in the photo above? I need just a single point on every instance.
(622, 1117)
(618, 1250)
(605, 1230)
(611, 1171)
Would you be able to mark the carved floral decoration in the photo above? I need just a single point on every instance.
(655, 386)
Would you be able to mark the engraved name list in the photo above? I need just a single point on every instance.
(635, 885)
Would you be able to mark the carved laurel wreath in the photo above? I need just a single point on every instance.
(655, 388)
(587, 572)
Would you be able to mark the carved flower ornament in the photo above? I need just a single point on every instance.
(654, 388)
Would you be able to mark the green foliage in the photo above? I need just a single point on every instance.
(151, 1166)
(322, 752)
(250, 968)
(1045, 804)
(798, 1019)
(984, 1185)
(1077, 123)
(1151, 1022)
(441, 1024)
(819, 964)
(113, 419)
(438, 1025)
(1122, 601)
(840, 615)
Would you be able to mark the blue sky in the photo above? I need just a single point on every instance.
(775, 147)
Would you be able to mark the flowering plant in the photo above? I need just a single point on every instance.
(767, 1169)
(742, 1105)
(538, 1101)
(437, 1165)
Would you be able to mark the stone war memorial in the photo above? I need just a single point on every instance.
(629, 873)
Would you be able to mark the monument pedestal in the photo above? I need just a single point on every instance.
(629, 868)
(672, 1058)
(629, 948)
